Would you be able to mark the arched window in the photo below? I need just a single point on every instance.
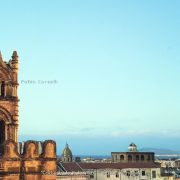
(149, 157)
(137, 157)
(142, 157)
(122, 157)
(129, 157)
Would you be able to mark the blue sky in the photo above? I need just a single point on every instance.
(117, 68)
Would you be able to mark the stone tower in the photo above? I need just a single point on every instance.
(20, 160)
(9, 99)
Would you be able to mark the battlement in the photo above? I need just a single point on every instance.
(27, 158)
(29, 149)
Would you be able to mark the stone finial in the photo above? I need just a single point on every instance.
(15, 56)
(15, 61)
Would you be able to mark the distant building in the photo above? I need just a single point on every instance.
(77, 159)
(133, 155)
(134, 169)
(67, 154)
(177, 163)
(166, 163)
(114, 171)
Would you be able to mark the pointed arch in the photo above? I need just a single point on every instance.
(5, 115)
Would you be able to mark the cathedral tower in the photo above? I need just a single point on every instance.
(20, 160)
(9, 99)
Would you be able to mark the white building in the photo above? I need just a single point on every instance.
(115, 171)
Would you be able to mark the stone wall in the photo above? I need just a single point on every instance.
(29, 159)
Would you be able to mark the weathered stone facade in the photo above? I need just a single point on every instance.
(9, 99)
(30, 160)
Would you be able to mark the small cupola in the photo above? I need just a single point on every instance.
(132, 148)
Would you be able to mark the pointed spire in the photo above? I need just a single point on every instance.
(14, 61)
(15, 56)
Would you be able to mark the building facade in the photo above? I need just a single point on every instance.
(132, 155)
(114, 171)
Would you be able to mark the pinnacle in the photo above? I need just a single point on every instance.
(15, 55)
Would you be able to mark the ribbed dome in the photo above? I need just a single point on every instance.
(67, 152)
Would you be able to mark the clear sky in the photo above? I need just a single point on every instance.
(117, 67)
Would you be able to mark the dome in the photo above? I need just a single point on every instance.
(67, 152)
(132, 147)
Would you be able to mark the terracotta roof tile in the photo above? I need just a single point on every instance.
(79, 166)
(71, 166)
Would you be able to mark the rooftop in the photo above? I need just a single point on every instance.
(69, 167)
